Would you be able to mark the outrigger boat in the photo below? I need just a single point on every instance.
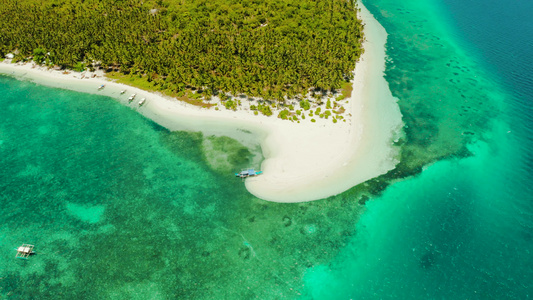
(24, 251)
(142, 101)
(101, 87)
(131, 97)
(247, 173)
(122, 92)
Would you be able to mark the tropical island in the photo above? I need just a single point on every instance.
(293, 58)
(274, 50)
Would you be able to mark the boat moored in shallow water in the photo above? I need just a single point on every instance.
(248, 172)
(143, 100)
(131, 97)
(25, 251)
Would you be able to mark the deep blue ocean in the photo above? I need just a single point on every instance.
(120, 208)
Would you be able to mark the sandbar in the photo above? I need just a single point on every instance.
(303, 161)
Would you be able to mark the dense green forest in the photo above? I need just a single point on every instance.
(268, 48)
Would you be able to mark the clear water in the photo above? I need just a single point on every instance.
(463, 228)
(120, 208)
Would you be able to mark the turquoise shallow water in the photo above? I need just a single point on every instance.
(120, 208)
(462, 229)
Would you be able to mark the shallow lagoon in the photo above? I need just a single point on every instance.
(121, 208)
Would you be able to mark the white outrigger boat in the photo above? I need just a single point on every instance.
(248, 172)
(131, 97)
(25, 251)
(122, 92)
(101, 87)
(143, 100)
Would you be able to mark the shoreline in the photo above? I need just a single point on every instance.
(303, 161)
(361, 152)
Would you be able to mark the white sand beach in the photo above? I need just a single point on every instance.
(303, 161)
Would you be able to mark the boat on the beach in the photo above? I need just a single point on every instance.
(248, 172)
(25, 251)
(143, 100)
(101, 87)
(131, 97)
(122, 92)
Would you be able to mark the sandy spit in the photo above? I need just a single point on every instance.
(303, 161)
